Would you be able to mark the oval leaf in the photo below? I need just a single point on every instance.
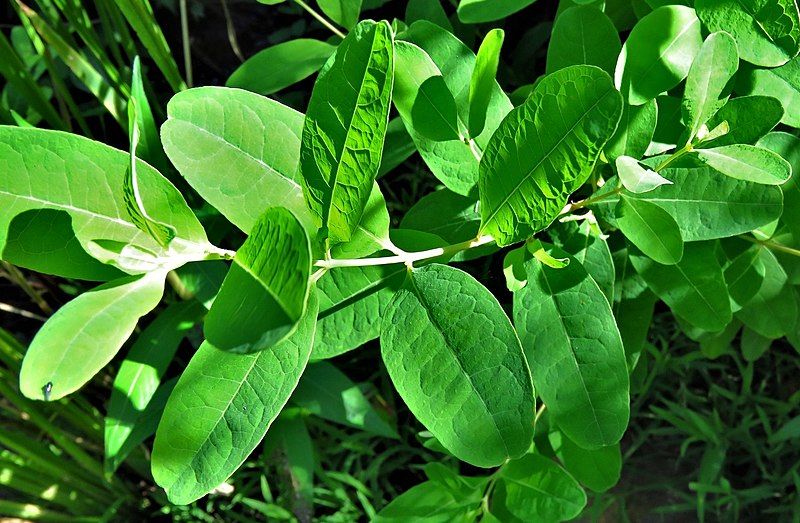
(483, 80)
(583, 35)
(747, 162)
(651, 229)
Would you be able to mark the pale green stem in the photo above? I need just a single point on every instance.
(320, 18)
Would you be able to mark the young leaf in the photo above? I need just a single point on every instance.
(711, 70)
(327, 392)
(66, 174)
(694, 288)
(575, 352)
(534, 488)
(638, 179)
(444, 327)
(707, 204)
(140, 375)
(635, 131)
(658, 53)
(149, 147)
(479, 11)
(747, 162)
(454, 163)
(772, 312)
(767, 33)
(287, 62)
(238, 150)
(85, 334)
(598, 469)
(352, 301)
(583, 35)
(545, 150)
(651, 229)
(264, 294)
(422, 97)
(749, 118)
(343, 134)
(483, 80)
(781, 83)
(221, 408)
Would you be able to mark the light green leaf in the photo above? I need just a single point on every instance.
(446, 328)
(372, 233)
(352, 301)
(343, 12)
(398, 146)
(781, 82)
(446, 214)
(544, 150)
(583, 35)
(766, 31)
(772, 312)
(788, 146)
(287, 62)
(422, 97)
(707, 204)
(744, 276)
(694, 288)
(479, 11)
(749, 118)
(712, 69)
(343, 134)
(747, 162)
(635, 131)
(588, 245)
(140, 375)
(638, 179)
(264, 294)
(483, 80)
(85, 334)
(430, 10)
(598, 469)
(658, 53)
(54, 173)
(634, 317)
(651, 229)
(327, 392)
(575, 352)
(149, 148)
(238, 150)
(431, 502)
(221, 408)
(454, 162)
(534, 488)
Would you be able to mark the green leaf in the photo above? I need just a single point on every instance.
(422, 97)
(781, 82)
(446, 214)
(651, 229)
(575, 352)
(544, 150)
(638, 179)
(658, 53)
(238, 150)
(707, 204)
(583, 35)
(291, 435)
(754, 345)
(398, 146)
(221, 408)
(483, 80)
(749, 118)
(430, 501)
(149, 148)
(343, 12)
(372, 233)
(635, 131)
(598, 469)
(744, 276)
(479, 11)
(66, 174)
(747, 162)
(772, 312)
(587, 244)
(453, 162)
(712, 69)
(343, 134)
(694, 288)
(429, 10)
(264, 294)
(767, 32)
(85, 334)
(446, 328)
(788, 146)
(287, 62)
(534, 488)
(327, 392)
(140, 375)
(352, 301)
